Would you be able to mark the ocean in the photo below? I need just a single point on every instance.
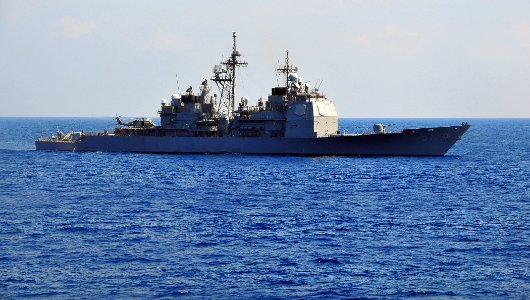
(124, 225)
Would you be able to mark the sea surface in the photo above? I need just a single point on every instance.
(122, 225)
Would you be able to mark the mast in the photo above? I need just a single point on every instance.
(287, 69)
(233, 67)
(225, 78)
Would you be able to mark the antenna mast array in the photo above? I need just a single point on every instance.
(225, 78)
(287, 68)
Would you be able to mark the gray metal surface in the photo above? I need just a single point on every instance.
(294, 119)
(424, 141)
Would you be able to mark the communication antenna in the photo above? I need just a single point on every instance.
(277, 79)
(178, 87)
(225, 78)
(287, 68)
(318, 87)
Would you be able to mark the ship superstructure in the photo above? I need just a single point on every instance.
(294, 119)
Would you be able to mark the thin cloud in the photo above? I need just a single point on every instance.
(362, 41)
(511, 45)
(521, 35)
(72, 28)
(168, 41)
(390, 37)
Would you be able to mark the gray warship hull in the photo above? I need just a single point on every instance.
(410, 142)
(295, 119)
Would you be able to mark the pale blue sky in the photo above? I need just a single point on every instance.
(376, 58)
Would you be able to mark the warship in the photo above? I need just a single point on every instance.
(295, 119)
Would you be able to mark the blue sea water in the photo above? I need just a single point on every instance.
(122, 225)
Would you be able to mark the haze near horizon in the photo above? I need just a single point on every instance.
(374, 59)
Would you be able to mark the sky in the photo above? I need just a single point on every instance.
(372, 58)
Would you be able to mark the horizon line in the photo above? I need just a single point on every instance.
(348, 117)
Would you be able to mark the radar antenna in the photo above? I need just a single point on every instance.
(291, 78)
(225, 78)
(178, 87)
(286, 69)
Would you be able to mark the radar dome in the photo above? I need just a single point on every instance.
(379, 128)
(293, 77)
(217, 69)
